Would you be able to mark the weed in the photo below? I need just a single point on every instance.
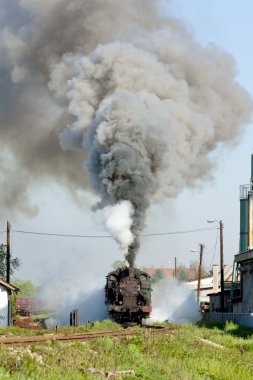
(230, 326)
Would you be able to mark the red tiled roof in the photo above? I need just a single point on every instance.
(167, 272)
(191, 273)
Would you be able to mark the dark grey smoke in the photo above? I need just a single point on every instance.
(118, 84)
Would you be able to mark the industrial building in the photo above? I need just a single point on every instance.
(238, 298)
(211, 284)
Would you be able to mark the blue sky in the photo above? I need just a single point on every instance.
(229, 25)
(226, 23)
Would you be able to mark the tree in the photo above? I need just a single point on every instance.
(14, 262)
(118, 264)
(194, 265)
(181, 273)
(158, 276)
(27, 288)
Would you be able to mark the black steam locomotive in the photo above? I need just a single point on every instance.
(128, 295)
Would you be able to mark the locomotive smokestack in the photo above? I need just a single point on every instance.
(130, 256)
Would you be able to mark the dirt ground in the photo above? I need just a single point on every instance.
(28, 323)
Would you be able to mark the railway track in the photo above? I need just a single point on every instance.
(16, 340)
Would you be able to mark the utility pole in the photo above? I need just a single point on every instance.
(222, 303)
(175, 270)
(201, 251)
(8, 253)
(221, 268)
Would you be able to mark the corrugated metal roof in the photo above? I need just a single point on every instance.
(244, 256)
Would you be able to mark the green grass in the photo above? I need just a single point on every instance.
(39, 316)
(97, 326)
(187, 353)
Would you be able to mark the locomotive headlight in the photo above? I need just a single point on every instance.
(112, 278)
(143, 277)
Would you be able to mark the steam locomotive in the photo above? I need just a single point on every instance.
(128, 295)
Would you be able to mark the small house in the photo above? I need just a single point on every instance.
(5, 304)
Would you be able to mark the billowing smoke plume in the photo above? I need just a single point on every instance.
(144, 103)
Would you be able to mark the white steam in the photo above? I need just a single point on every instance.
(90, 305)
(118, 223)
(174, 302)
(78, 281)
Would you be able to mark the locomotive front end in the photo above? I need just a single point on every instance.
(128, 295)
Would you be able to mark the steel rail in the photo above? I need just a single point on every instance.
(81, 336)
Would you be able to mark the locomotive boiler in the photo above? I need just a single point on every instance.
(128, 295)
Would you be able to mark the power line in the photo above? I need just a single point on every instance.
(60, 235)
(109, 236)
(181, 232)
(214, 251)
